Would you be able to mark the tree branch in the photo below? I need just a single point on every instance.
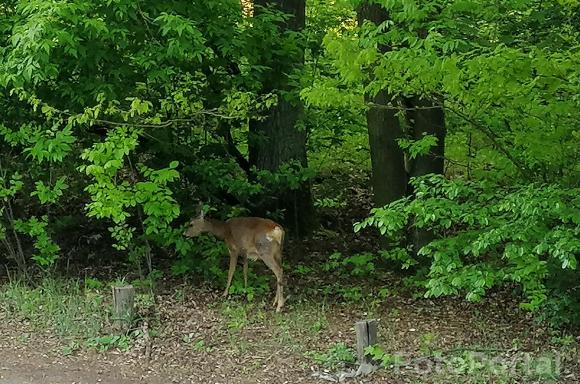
(226, 133)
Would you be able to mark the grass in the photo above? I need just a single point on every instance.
(337, 355)
(65, 307)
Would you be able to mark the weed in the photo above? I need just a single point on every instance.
(319, 325)
(70, 349)
(361, 264)
(200, 346)
(258, 285)
(179, 295)
(384, 358)
(145, 301)
(148, 282)
(564, 341)
(94, 284)
(303, 270)
(351, 294)
(337, 355)
(428, 341)
(395, 313)
(236, 316)
(104, 343)
(62, 306)
(379, 298)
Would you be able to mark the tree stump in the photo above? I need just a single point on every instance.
(123, 307)
(366, 335)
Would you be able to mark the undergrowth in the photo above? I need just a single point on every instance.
(66, 307)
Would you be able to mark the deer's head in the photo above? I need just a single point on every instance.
(197, 225)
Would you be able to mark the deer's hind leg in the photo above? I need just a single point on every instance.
(281, 282)
(275, 266)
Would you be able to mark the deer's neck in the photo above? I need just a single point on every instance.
(218, 228)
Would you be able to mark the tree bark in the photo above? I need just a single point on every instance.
(426, 119)
(389, 179)
(278, 139)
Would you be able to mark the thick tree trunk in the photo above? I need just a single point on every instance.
(426, 118)
(389, 179)
(277, 139)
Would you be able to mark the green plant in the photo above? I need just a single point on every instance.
(319, 325)
(70, 349)
(236, 316)
(104, 343)
(362, 264)
(336, 355)
(303, 270)
(351, 294)
(489, 236)
(428, 343)
(386, 359)
(94, 284)
(59, 305)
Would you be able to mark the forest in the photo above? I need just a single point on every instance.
(419, 160)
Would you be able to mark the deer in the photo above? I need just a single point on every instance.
(252, 237)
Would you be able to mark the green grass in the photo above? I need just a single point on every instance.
(336, 355)
(65, 307)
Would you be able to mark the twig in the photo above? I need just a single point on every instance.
(164, 124)
(147, 340)
(492, 137)
(401, 108)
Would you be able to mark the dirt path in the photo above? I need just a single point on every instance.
(38, 368)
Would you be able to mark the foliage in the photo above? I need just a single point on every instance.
(337, 355)
(124, 85)
(355, 265)
(104, 343)
(487, 236)
(507, 82)
(386, 359)
(111, 195)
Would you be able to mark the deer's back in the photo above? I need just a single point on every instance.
(249, 232)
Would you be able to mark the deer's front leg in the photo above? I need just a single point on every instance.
(233, 262)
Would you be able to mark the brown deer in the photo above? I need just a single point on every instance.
(252, 237)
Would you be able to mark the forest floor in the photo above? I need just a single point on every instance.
(187, 333)
(194, 336)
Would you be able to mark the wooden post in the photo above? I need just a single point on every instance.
(123, 306)
(366, 335)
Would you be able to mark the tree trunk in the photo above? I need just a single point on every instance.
(389, 175)
(278, 140)
(425, 119)
(389, 179)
